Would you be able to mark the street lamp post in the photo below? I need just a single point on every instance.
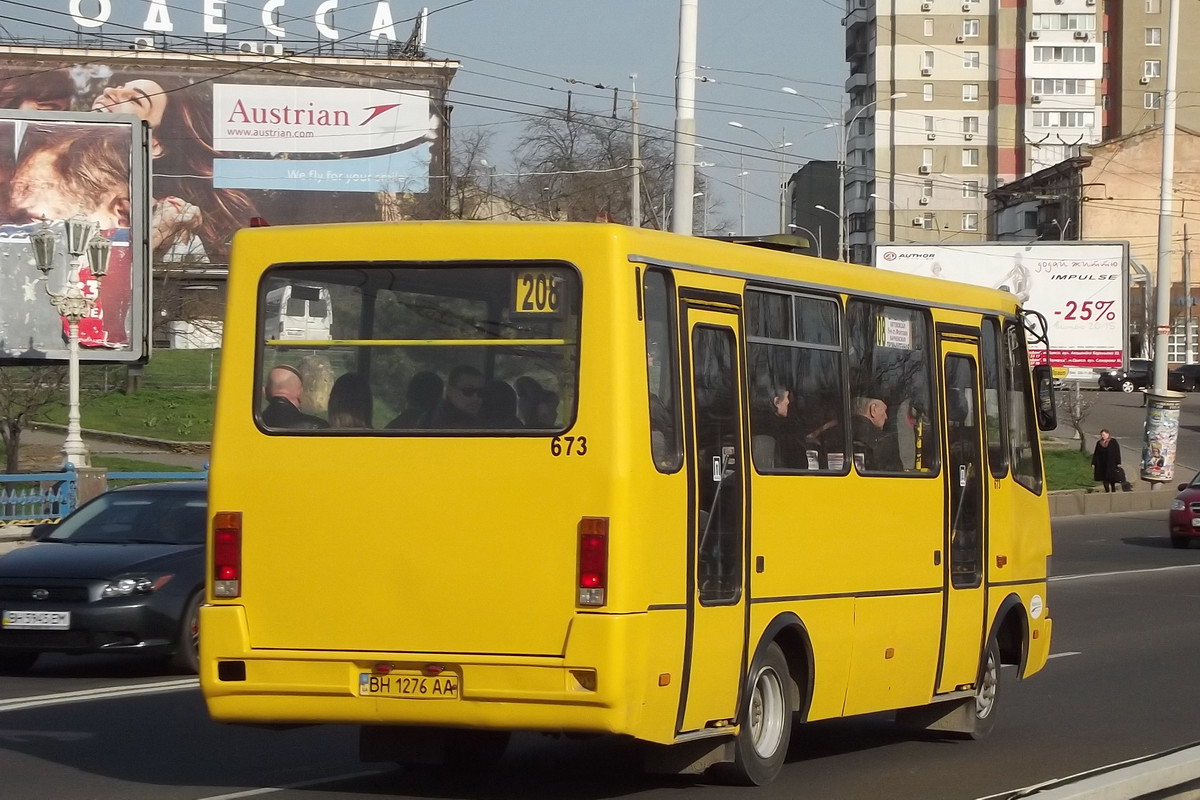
(820, 243)
(780, 146)
(838, 217)
(73, 304)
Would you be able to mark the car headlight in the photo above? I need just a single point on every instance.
(1178, 505)
(134, 584)
(1114, 372)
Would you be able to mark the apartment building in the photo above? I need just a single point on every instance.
(1137, 62)
(951, 99)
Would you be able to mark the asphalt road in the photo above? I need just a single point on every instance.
(1121, 684)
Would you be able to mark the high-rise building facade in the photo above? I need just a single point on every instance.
(950, 99)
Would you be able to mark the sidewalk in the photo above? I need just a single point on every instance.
(50, 438)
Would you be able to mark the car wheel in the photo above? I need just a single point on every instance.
(987, 693)
(1180, 542)
(1127, 386)
(187, 648)
(765, 722)
(17, 663)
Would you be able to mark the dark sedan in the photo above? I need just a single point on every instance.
(123, 574)
(1139, 375)
(1184, 378)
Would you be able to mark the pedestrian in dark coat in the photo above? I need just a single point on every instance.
(1106, 462)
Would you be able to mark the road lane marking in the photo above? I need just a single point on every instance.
(105, 693)
(300, 785)
(1065, 654)
(1121, 572)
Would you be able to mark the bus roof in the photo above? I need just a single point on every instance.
(427, 240)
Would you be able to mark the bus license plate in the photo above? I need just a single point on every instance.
(37, 620)
(415, 687)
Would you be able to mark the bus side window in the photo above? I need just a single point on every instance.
(1022, 426)
(662, 372)
(994, 425)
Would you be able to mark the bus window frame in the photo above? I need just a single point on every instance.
(792, 292)
(257, 395)
(998, 471)
(933, 373)
(673, 367)
(1030, 405)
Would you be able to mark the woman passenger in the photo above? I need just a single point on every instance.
(350, 402)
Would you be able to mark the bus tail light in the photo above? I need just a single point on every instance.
(227, 554)
(593, 561)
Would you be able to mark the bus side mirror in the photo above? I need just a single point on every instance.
(1043, 387)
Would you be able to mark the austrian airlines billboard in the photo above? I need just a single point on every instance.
(313, 138)
(1081, 288)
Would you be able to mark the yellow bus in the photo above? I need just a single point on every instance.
(592, 479)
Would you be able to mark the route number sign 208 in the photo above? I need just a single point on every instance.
(537, 293)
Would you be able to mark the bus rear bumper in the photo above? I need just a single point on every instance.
(582, 692)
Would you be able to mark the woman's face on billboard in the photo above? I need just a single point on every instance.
(38, 190)
(142, 98)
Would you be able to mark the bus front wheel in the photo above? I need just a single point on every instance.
(987, 692)
(765, 722)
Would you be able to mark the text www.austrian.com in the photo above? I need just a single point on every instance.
(269, 133)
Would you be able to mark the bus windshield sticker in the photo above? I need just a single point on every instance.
(537, 293)
(895, 333)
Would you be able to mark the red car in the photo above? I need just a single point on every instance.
(1185, 513)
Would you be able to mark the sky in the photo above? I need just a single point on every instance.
(519, 56)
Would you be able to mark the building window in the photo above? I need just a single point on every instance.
(1064, 22)
(927, 59)
(970, 92)
(1152, 100)
(927, 93)
(1062, 86)
(927, 189)
(970, 157)
(971, 59)
(1152, 69)
(1064, 119)
(970, 27)
(1029, 220)
(1153, 6)
(970, 222)
(928, 124)
(927, 221)
(927, 157)
(929, 27)
(1154, 36)
(970, 189)
(1064, 55)
(862, 127)
(970, 125)
(1104, 102)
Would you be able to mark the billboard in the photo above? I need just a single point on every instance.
(54, 166)
(234, 138)
(1080, 287)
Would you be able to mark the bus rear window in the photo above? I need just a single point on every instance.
(463, 349)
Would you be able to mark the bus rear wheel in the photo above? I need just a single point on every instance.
(765, 722)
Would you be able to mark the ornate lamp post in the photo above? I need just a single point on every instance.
(73, 305)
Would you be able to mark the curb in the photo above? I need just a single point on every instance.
(128, 438)
(1158, 777)
(1074, 503)
(14, 533)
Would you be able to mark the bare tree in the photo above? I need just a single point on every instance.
(24, 391)
(472, 185)
(1074, 409)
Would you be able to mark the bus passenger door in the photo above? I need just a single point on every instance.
(965, 542)
(716, 530)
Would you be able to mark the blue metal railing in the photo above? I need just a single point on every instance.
(38, 496)
(34, 497)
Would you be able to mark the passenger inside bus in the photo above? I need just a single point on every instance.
(424, 392)
(529, 393)
(499, 408)
(284, 391)
(463, 401)
(874, 448)
(350, 402)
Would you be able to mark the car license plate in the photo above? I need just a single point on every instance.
(37, 620)
(416, 687)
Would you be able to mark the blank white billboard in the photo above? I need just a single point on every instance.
(1081, 288)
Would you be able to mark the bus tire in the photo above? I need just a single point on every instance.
(765, 722)
(986, 693)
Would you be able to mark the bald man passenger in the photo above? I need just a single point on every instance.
(284, 391)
